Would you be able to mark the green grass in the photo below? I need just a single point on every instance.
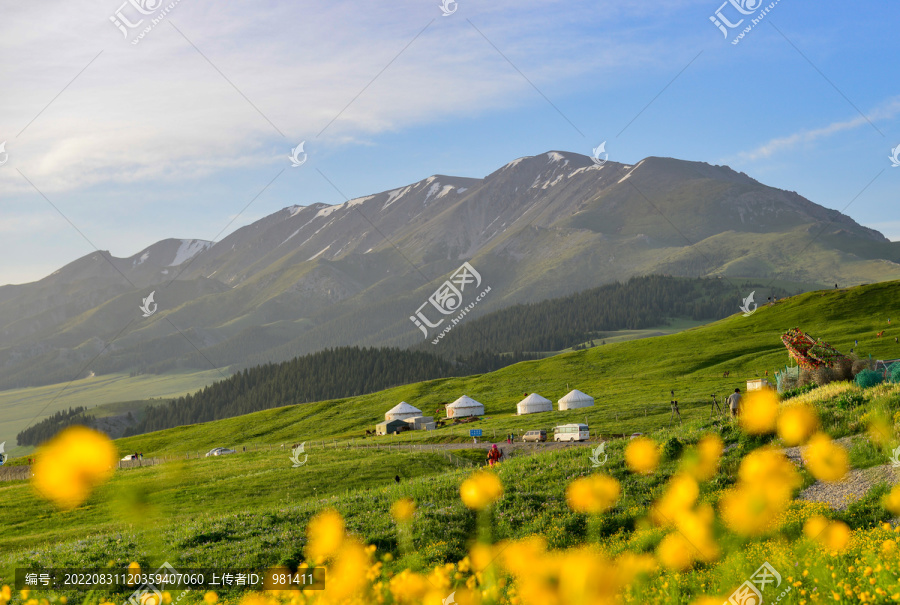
(250, 509)
(19, 406)
(630, 380)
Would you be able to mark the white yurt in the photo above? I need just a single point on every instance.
(575, 399)
(534, 403)
(402, 411)
(464, 406)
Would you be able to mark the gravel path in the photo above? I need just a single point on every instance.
(855, 485)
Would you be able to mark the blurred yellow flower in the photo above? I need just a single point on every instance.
(759, 411)
(5, 594)
(797, 423)
(693, 540)
(594, 494)
(68, 467)
(826, 460)
(766, 482)
(709, 448)
(815, 526)
(210, 597)
(403, 509)
(888, 547)
(892, 500)
(833, 535)
(481, 490)
(680, 496)
(642, 456)
(675, 552)
(326, 533)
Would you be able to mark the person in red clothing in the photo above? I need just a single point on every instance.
(494, 455)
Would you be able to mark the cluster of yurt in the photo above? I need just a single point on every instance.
(534, 403)
(404, 417)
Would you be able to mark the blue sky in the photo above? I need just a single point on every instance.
(174, 136)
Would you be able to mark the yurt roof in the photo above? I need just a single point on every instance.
(535, 398)
(574, 396)
(404, 408)
(465, 402)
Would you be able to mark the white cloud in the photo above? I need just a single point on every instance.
(886, 111)
(158, 110)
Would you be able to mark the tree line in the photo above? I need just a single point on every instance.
(559, 323)
(328, 374)
(48, 427)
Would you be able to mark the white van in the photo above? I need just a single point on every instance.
(571, 432)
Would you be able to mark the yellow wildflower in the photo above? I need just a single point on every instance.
(403, 510)
(797, 423)
(481, 490)
(594, 494)
(642, 456)
(72, 464)
(326, 534)
(826, 460)
(759, 410)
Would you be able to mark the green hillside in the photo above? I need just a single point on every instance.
(629, 380)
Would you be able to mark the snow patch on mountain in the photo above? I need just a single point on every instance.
(141, 260)
(431, 191)
(516, 162)
(328, 210)
(319, 253)
(188, 249)
(557, 157)
(359, 200)
(447, 189)
(395, 195)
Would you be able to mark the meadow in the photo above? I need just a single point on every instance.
(252, 509)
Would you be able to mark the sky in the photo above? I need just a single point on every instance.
(114, 141)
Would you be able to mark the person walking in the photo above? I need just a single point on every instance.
(494, 455)
(734, 403)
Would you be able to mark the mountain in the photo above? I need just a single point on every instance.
(310, 277)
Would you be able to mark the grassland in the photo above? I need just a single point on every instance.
(631, 381)
(19, 406)
(250, 509)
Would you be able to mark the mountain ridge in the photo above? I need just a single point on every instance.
(308, 277)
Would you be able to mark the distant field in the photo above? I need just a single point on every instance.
(19, 406)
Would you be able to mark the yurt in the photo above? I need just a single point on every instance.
(402, 411)
(575, 399)
(464, 406)
(534, 403)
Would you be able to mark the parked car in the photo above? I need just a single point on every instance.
(219, 451)
(130, 457)
(571, 432)
(535, 436)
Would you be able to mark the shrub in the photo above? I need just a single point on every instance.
(895, 373)
(849, 401)
(672, 449)
(869, 378)
(796, 392)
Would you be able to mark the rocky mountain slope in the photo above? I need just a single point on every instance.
(305, 278)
